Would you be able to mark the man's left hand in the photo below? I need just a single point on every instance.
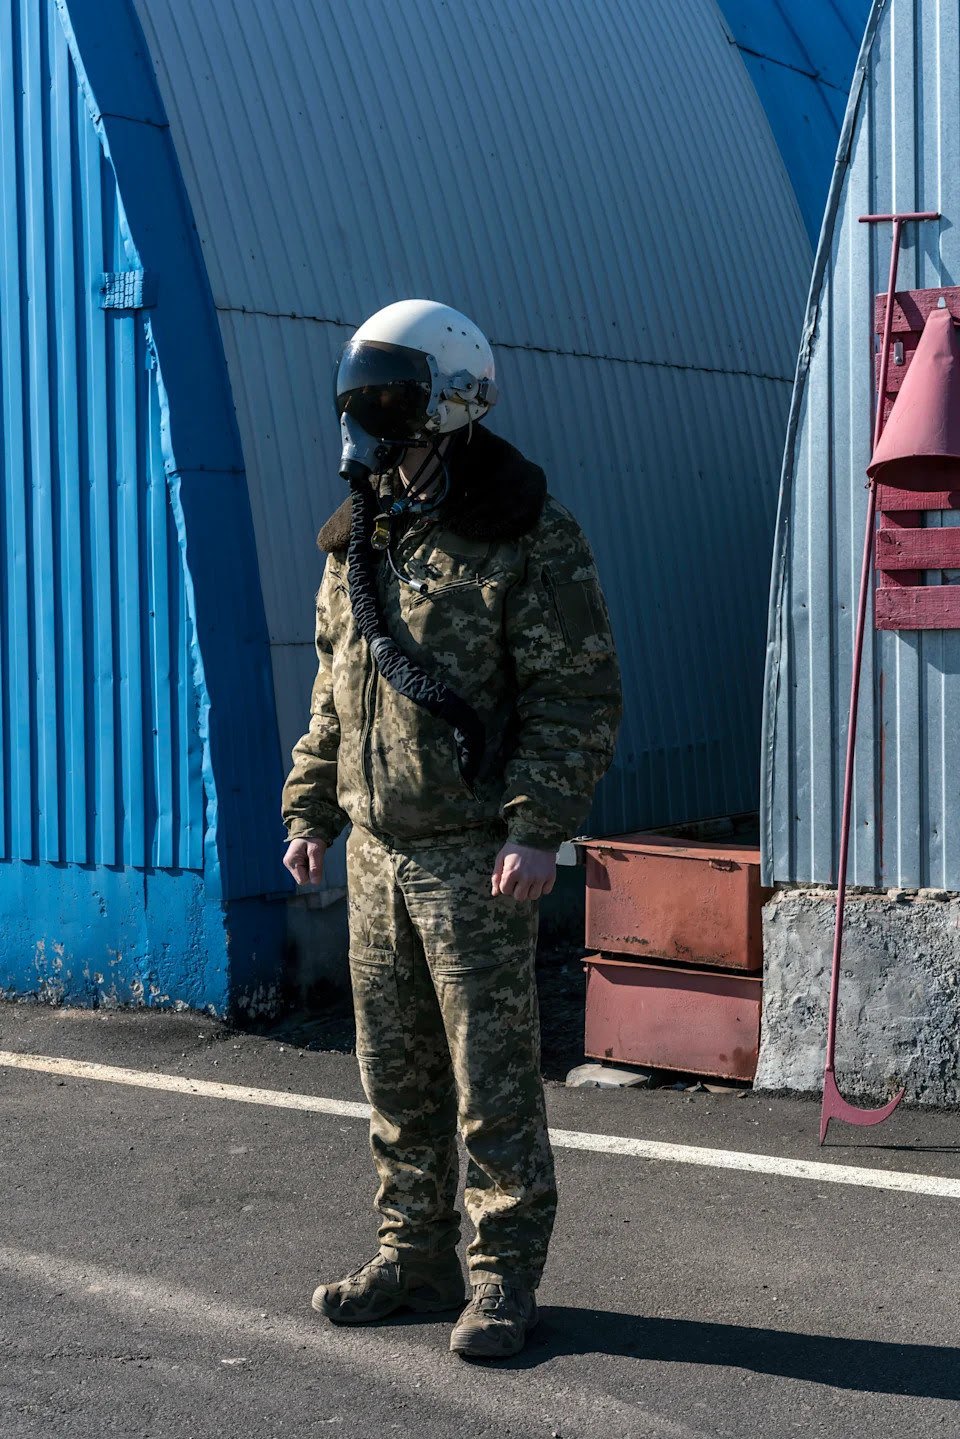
(524, 872)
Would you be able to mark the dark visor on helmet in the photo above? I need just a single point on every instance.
(385, 388)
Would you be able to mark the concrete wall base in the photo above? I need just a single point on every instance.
(899, 1019)
(106, 938)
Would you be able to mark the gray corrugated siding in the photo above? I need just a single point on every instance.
(905, 155)
(598, 187)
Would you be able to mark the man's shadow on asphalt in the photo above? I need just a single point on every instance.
(869, 1366)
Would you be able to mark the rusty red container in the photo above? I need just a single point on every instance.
(662, 898)
(697, 1021)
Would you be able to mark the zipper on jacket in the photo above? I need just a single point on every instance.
(475, 582)
(551, 590)
(369, 708)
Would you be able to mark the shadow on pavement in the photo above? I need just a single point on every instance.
(866, 1365)
(914, 1148)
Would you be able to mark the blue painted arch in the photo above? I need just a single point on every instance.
(801, 55)
(138, 829)
(202, 454)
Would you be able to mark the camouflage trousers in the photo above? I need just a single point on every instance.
(448, 1034)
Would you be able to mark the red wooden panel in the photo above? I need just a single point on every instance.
(892, 578)
(912, 549)
(926, 607)
(892, 500)
(911, 308)
(910, 311)
(904, 550)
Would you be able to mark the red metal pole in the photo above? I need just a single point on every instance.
(834, 1105)
(904, 217)
(865, 575)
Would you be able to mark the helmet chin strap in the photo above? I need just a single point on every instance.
(417, 488)
(412, 501)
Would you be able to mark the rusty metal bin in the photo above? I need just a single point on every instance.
(665, 1017)
(661, 898)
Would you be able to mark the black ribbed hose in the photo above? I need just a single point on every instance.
(404, 674)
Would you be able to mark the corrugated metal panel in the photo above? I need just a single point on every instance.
(558, 172)
(904, 153)
(202, 456)
(801, 55)
(100, 755)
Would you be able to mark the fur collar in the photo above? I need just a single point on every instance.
(496, 494)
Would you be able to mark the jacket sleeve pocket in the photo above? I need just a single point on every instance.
(580, 611)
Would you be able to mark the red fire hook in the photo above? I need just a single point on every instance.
(834, 1104)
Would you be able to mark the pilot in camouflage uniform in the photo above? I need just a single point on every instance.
(496, 592)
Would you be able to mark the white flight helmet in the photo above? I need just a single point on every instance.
(413, 370)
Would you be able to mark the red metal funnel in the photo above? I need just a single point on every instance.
(924, 423)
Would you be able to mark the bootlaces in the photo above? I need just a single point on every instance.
(376, 1262)
(491, 1299)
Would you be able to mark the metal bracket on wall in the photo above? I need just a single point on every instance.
(128, 290)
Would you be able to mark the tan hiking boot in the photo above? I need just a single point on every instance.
(382, 1286)
(495, 1323)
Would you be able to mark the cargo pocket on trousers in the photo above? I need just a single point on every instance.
(376, 1006)
(505, 935)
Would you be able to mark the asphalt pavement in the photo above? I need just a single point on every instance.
(158, 1253)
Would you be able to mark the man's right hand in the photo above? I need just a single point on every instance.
(304, 860)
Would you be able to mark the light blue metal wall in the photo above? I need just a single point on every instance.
(800, 55)
(901, 150)
(100, 754)
(135, 807)
(558, 172)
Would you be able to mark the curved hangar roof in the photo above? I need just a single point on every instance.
(598, 187)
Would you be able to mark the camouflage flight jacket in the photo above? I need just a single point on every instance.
(514, 620)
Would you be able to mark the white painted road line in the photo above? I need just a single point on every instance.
(180, 1084)
(651, 1149)
(758, 1163)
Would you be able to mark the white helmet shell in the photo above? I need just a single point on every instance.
(458, 352)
